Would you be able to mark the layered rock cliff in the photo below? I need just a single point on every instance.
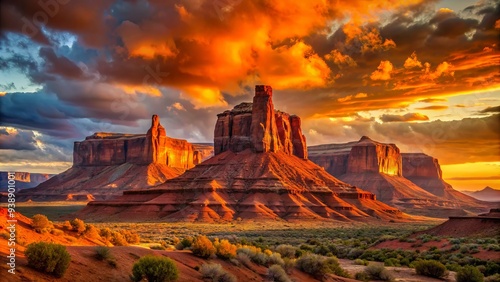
(106, 164)
(259, 171)
(24, 180)
(425, 171)
(412, 182)
(257, 126)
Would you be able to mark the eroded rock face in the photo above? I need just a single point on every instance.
(259, 171)
(371, 156)
(104, 149)
(106, 164)
(258, 126)
(421, 165)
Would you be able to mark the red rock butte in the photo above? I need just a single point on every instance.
(259, 171)
(106, 164)
(412, 182)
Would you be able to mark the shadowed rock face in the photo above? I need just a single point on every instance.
(259, 171)
(257, 126)
(371, 156)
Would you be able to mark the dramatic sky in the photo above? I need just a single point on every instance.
(421, 74)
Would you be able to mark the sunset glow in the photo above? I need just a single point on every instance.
(420, 74)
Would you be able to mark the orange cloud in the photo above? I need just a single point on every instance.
(412, 62)
(436, 107)
(339, 59)
(383, 71)
(404, 118)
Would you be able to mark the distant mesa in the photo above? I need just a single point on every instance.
(105, 164)
(24, 180)
(412, 182)
(260, 171)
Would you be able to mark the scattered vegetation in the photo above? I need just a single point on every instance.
(203, 247)
(469, 273)
(77, 225)
(376, 271)
(216, 273)
(431, 268)
(40, 223)
(224, 249)
(155, 268)
(276, 273)
(48, 257)
(318, 265)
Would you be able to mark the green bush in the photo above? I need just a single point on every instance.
(360, 262)
(40, 222)
(362, 276)
(286, 251)
(275, 273)
(377, 271)
(216, 273)
(154, 268)
(203, 247)
(48, 257)
(102, 253)
(318, 266)
(431, 268)
(469, 273)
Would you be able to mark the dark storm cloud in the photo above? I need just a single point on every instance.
(405, 118)
(17, 139)
(59, 65)
(491, 110)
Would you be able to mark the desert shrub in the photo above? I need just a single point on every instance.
(102, 253)
(392, 262)
(289, 264)
(48, 257)
(244, 259)
(260, 258)
(318, 266)
(377, 271)
(469, 273)
(118, 239)
(431, 268)
(106, 234)
(225, 250)
(275, 258)
(216, 273)
(67, 225)
(155, 268)
(184, 243)
(56, 232)
(360, 262)
(77, 225)
(130, 236)
(157, 247)
(491, 268)
(362, 276)
(203, 247)
(286, 251)
(91, 232)
(276, 273)
(492, 278)
(40, 223)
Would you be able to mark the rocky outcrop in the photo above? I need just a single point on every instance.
(412, 182)
(24, 180)
(106, 164)
(259, 171)
(371, 156)
(105, 149)
(425, 171)
(257, 126)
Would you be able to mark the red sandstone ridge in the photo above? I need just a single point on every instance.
(106, 164)
(412, 182)
(260, 171)
(425, 171)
